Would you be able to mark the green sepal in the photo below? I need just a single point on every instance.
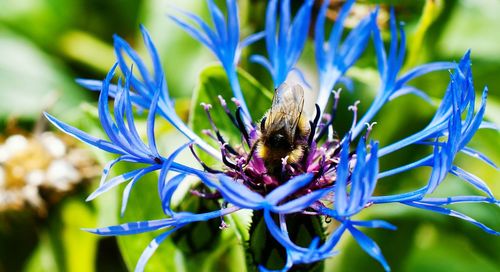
(262, 249)
(198, 237)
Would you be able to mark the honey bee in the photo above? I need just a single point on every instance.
(284, 129)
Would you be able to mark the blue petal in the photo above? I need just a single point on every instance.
(238, 194)
(379, 46)
(198, 35)
(84, 137)
(280, 235)
(423, 134)
(233, 24)
(354, 44)
(374, 224)
(128, 188)
(218, 20)
(185, 217)
(264, 62)
(470, 178)
(413, 195)
(120, 179)
(393, 68)
(473, 126)
(151, 124)
(369, 246)
(271, 20)
(155, 59)
(168, 191)
(422, 70)
(476, 154)
(458, 199)
(96, 85)
(411, 90)
(358, 180)
(252, 39)
(143, 88)
(285, 47)
(489, 125)
(349, 84)
(302, 77)
(370, 180)
(120, 106)
(106, 121)
(288, 188)
(133, 227)
(165, 190)
(338, 27)
(342, 174)
(319, 37)
(453, 213)
(110, 164)
(301, 203)
(130, 117)
(150, 250)
(422, 162)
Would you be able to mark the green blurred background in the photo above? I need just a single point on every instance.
(46, 44)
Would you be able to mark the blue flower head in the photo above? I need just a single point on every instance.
(333, 177)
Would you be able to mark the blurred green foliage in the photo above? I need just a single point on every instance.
(45, 44)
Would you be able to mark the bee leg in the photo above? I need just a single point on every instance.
(252, 151)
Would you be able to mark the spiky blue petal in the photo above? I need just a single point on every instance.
(224, 41)
(151, 248)
(369, 246)
(333, 58)
(430, 206)
(284, 46)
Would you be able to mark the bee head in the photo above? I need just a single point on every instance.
(279, 141)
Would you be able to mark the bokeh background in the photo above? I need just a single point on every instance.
(45, 176)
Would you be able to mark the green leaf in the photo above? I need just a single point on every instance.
(80, 247)
(212, 83)
(43, 258)
(62, 245)
(30, 81)
(430, 13)
(144, 204)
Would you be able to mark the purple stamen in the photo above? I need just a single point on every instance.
(369, 128)
(226, 109)
(354, 109)
(207, 108)
(331, 117)
(206, 167)
(313, 125)
(242, 127)
(209, 134)
(226, 161)
(197, 193)
(236, 102)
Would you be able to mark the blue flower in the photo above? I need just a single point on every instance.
(224, 41)
(285, 47)
(329, 180)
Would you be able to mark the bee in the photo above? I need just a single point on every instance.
(284, 129)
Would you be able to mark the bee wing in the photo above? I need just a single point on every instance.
(297, 108)
(286, 109)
